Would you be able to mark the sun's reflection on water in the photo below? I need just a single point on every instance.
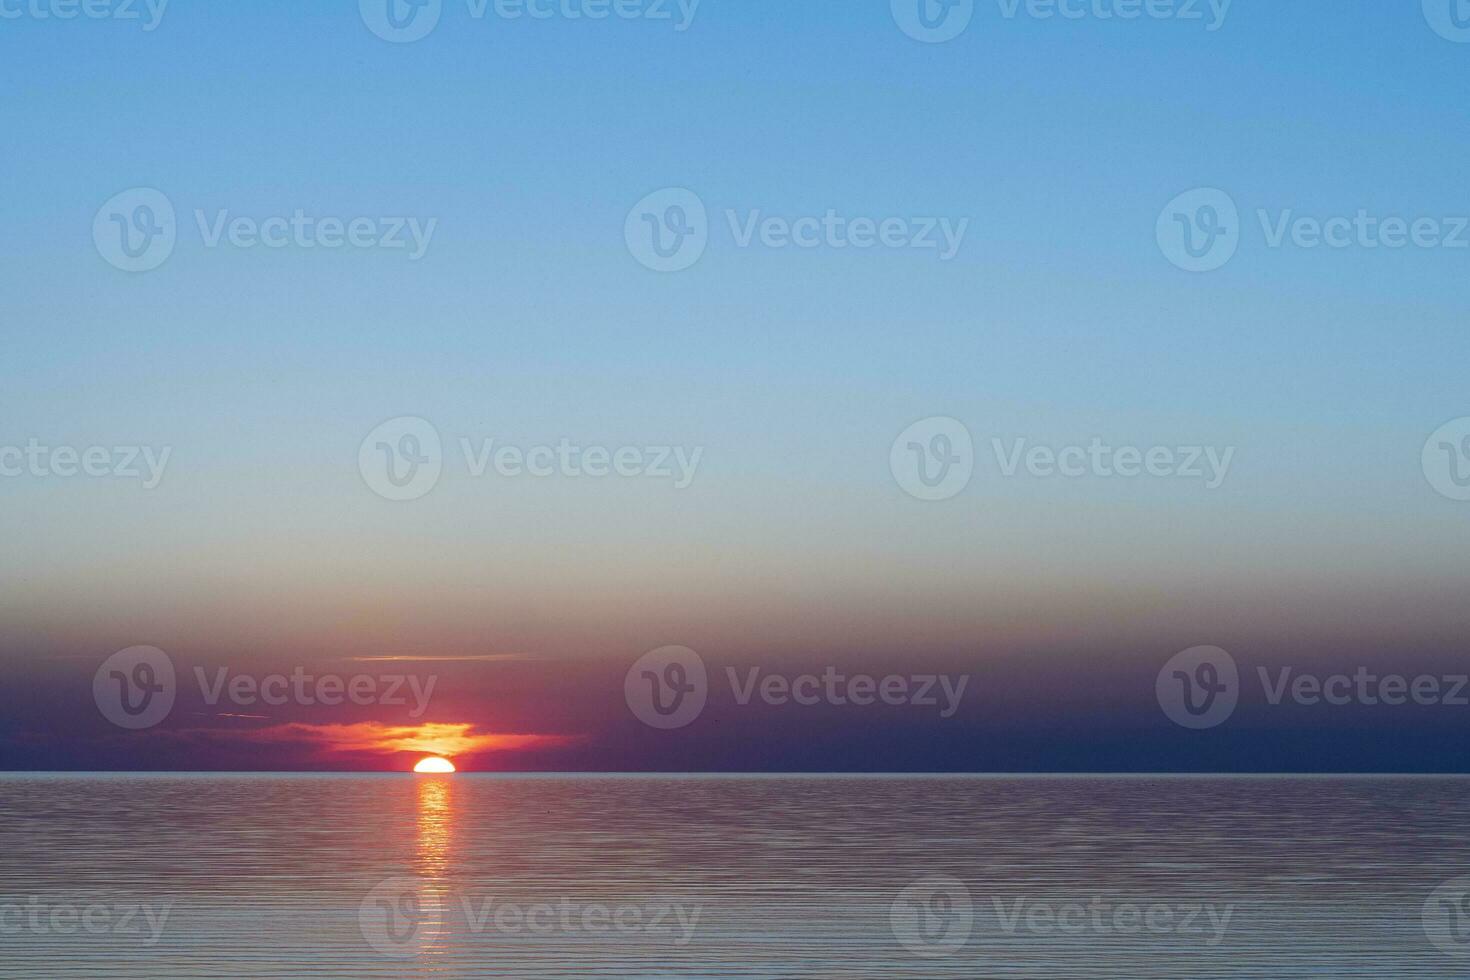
(435, 826)
(434, 839)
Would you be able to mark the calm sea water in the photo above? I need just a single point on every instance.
(845, 877)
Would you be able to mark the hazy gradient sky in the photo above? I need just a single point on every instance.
(528, 321)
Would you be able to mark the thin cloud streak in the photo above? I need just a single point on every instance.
(484, 658)
(434, 738)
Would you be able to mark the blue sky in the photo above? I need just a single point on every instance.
(528, 320)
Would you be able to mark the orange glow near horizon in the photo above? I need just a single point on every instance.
(434, 763)
(441, 740)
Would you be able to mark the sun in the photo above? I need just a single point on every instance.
(434, 763)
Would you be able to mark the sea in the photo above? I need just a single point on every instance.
(149, 876)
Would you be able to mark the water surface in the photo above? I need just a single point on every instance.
(286, 876)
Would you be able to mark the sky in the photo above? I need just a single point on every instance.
(769, 398)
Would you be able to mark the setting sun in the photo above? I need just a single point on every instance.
(434, 764)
